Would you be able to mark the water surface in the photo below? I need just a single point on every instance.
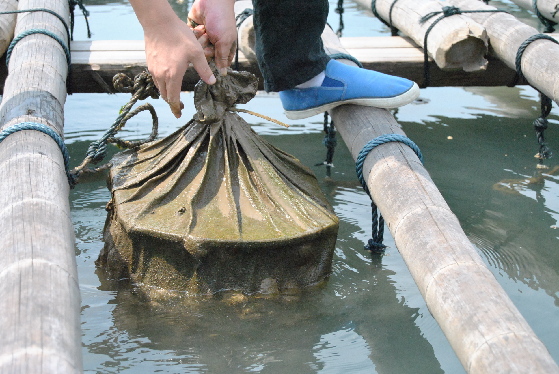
(478, 145)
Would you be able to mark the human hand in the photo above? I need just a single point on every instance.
(218, 18)
(171, 46)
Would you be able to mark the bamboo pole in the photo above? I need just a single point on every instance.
(455, 42)
(39, 291)
(487, 332)
(540, 61)
(549, 9)
(7, 24)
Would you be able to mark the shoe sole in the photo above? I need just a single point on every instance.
(383, 103)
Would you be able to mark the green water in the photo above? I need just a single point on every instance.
(370, 316)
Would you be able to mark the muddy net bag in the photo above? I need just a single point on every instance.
(215, 207)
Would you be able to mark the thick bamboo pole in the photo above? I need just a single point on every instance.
(39, 291)
(487, 332)
(7, 24)
(549, 9)
(454, 42)
(540, 61)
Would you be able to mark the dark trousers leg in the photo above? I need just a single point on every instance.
(288, 43)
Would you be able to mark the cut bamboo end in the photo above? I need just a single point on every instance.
(454, 42)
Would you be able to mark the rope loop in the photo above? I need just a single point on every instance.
(38, 31)
(45, 130)
(522, 48)
(549, 25)
(141, 87)
(375, 243)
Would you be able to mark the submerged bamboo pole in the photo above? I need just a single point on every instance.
(487, 332)
(549, 9)
(7, 24)
(454, 42)
(39, 291)
(540, 61)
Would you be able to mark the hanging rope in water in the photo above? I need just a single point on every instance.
(393, 30)
(549, 25)
(141, 88)
(540, 124)
(45, 130)
(447, 11)
(340, 11)
(85, 12)
(329, 142)
(375, 244)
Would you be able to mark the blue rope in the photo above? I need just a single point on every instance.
(60, 18)
(45, 130)
(375, 243)
(37, 31)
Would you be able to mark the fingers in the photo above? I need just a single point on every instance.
(224, 54)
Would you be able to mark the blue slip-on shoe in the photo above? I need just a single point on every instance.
(346, 84)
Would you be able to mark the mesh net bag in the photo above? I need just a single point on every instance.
(215, 207)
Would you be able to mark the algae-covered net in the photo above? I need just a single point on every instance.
(215, 207)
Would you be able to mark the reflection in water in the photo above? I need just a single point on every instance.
(357, 322)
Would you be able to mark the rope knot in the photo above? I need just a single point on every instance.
(540, 124)
(141, 87)
(447, 11)
(451, 10)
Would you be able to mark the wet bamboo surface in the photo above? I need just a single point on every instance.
(485, 329)
(39, 289)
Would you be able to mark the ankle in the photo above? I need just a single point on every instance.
(313, 82)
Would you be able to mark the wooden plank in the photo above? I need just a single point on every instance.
(39, 290)
(487, 332)
(97, 61)
(455, 42)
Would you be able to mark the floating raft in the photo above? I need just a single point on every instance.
(94, 63)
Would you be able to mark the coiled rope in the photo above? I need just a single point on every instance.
(141, 87)
(375, 244)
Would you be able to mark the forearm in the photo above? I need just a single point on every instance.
(153, 13)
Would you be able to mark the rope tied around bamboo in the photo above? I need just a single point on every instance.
(540, 124)
(549, 25)
(375, 244)
(446, 11)
(393, 30)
